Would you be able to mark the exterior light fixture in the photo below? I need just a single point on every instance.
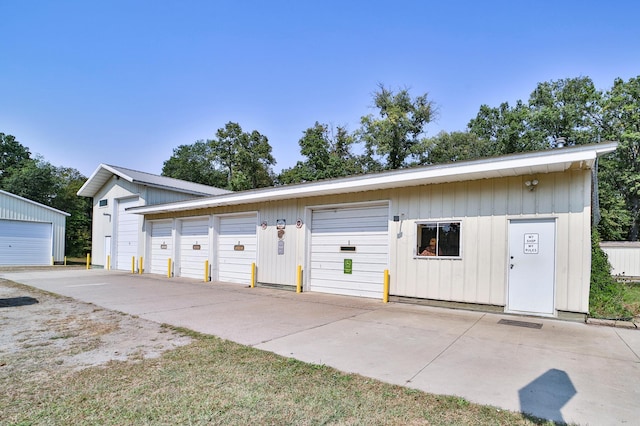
(531, 184)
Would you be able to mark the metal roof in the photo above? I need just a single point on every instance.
(104, 172)
(26, 200)
(530, 163)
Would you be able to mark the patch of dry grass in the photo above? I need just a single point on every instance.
(213, 381)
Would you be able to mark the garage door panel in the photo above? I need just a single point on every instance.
(235, 265)
(25, 243)
(127, 234)
(161, 246)
(194, 247)
(366, 229)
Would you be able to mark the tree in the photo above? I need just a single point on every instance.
(328, 155)
(244, 157)
(569, 108)
(621, 122)
(12, 155)
(391, 137)
(455, 146)
(35, 180)
(507, 128)
(78, 229)
(194, 163)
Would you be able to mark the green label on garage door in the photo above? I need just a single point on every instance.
(348, 266)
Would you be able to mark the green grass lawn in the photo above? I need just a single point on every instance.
(214, 381)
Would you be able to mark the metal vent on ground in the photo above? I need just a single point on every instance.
(520, 323)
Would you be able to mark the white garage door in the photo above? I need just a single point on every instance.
(25, 243)
(126, 234)
(349, 250)
(161, 246)
(236, 248)
(194, 247)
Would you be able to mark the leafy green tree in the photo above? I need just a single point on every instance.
(35, 179)
(569, 108)
(455, 146)
(194, 163)
(621, 122)
(328, 155)
(12, 155)
(78, 230)
(391, 137)
(244, 157)
(507, 128)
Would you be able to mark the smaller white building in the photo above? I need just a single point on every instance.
(624, 257)
(30, 233)
(115, 232)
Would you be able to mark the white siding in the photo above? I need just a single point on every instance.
(235, 265)
(15, 208)
(624, 257)
(364, 229)
(194, 248)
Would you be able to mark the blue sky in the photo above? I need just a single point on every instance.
(125, 82)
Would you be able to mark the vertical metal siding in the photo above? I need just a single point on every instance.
(484, 207)
(16, 209)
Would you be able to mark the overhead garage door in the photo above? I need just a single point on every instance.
(25, 243)
(126, 234)
(349, 250)
(161, 246)
(236, 248)
(194, 247)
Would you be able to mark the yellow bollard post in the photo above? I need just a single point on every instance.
(253, 275)
(206, 271)
(299, 279)
(88, 260)
(65, 261)
(133, 264)
(140, 265)
(385, 295)
(169, 268)
(108, 262)
(53, 262)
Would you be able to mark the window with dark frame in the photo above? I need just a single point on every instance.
(103, 203)
(439, 239)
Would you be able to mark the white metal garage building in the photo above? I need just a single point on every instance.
(510, 234)
(116, 233)
(30, 233)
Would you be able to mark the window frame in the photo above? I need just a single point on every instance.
(106, 203)
(437, 224)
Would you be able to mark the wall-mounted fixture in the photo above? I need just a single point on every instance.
(531, 184)
(107, 214)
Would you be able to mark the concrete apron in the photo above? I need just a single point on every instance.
(562, 371)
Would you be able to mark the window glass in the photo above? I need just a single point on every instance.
(102, 203)
(439, 239)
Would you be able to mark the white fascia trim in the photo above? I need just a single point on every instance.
(394, 179)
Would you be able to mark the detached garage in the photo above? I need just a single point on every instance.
(509, 234)
(30, 233)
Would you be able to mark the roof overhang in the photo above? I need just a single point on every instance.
(104, 172)
(578, 157)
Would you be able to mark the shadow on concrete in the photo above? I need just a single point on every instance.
(546, 395)
(12, 302)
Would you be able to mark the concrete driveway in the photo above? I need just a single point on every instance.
(553, 369)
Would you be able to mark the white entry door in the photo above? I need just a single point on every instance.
(531, 265)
